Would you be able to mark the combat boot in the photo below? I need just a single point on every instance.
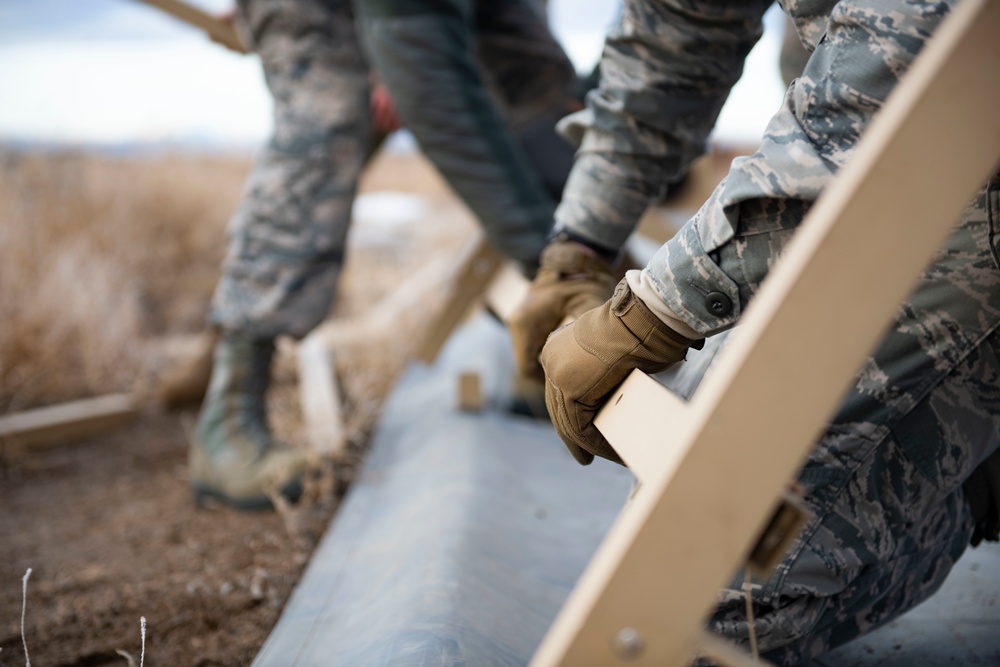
(233, 457)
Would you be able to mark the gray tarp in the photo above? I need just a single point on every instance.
(465, 532)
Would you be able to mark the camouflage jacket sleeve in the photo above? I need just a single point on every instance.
(666, 71)
(708, 272)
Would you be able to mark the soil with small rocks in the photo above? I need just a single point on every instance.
(111, 535)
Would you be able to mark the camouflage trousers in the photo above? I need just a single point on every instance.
(287, 239)
(885, 480)
(474, 81)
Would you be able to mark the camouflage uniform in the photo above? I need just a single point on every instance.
(467, 118)
(287, 240)
(885, 480)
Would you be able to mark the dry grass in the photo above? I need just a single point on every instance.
(98, 255)
(106, 261)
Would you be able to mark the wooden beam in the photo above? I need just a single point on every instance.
(319, 397)
(706, 498)
(66, 421)
(470, 392)
(480, 263)
(219, 30)
(386, 314)
(644, 450)
(506, 291)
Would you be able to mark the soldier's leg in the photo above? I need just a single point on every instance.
(286, 241)
(885, 480)
(526, 67)
(424, 52)
(532, 79)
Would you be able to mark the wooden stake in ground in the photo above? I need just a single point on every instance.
(320, 397)
(506, 291)
(470, 392)
(480, 263)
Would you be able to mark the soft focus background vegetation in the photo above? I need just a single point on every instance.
(99, 256)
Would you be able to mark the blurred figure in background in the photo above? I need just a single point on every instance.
(286, 240)
(478, 73)
(481, 85)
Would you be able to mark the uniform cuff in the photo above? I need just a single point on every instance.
(642, 286)
(691, 285)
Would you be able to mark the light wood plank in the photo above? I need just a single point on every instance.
(480, 263)
(633, 402)
(692, 522)
(470, 392)
(506, 291)
(218, 30)
(319, 396)
(387, 313)
(66, 421)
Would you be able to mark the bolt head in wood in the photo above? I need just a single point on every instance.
(627, 644)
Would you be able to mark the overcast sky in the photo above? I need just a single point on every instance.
(120, 71)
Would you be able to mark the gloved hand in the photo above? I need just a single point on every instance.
(571, 280)
(586, 360)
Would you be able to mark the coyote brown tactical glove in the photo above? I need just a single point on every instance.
(571, 280)
(586, 360)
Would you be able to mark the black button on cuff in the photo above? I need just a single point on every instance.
(718, 304)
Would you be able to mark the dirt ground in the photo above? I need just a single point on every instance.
(107, 524)
(111, 535)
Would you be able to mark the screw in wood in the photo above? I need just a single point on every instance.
(627, 644)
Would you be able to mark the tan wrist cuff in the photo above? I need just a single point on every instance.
(642, 287)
